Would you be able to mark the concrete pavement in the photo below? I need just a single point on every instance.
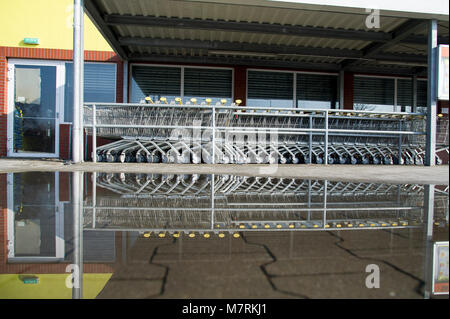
(391, 174)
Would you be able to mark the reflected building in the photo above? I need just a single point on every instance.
(216, 236)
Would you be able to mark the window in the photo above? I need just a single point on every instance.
(203, 83)
(374, 94)
(99, 85)
(422, 91)
(316, 91)
(199, 83)
(155, 82)
(379, 94)
(405, 94)
(270, 89)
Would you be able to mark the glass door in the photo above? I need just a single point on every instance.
(34, 99)
(35, 223)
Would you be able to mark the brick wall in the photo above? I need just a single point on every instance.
(240, 84)
(348, 91)
(48, 54)
(3, 101)
(3, 219)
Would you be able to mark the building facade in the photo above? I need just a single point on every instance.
(173, 51)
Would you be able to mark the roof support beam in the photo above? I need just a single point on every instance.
(274, 51)
(399, 34)
(263, 28)
(252, 27)
(267, 63)
(95, 16)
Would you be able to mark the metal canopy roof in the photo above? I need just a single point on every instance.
(270, 35)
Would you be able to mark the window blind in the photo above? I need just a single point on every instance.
(270, 85)
(201, 82)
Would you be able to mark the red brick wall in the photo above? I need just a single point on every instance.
(48, 54)
(59, 268)
(3, 101)
(348, 91)
(240, 84)
(3, 219)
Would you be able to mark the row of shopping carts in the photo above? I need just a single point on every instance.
(192, 203)
(224, 134)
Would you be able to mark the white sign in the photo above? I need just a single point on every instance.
(443, 73)
(440, 268)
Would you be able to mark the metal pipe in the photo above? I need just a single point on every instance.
(430, 154)
(428, 238)
(77, 136)
(82, 146)
(94, 134)
(77, 197)
(326, 140)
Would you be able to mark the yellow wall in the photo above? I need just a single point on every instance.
(50, 286)
(49, 20)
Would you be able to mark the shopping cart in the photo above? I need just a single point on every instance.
(191, 132)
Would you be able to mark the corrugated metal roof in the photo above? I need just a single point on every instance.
(210, 11)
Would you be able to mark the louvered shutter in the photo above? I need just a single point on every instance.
(213, 83)
(375, 91)
(155, 82)
(270, 85)
(99, 85)
(404, 92)
(315, 90)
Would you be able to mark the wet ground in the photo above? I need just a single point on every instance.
(196, 236)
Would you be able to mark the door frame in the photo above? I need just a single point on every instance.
(60, 82)
(59, 226)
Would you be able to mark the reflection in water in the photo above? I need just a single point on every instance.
(217, 236)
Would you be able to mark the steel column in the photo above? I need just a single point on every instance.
(77, 198)
(430, 155)
(428, 256)
(77, 136)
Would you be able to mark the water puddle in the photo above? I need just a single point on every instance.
(125, 235)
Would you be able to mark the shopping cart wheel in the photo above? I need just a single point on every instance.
(319, 160)
(273, 158)
(164, 159)
(365, 160)
(398, 161)
(331, 160)
(376, 160)
(388, 160)
(196, 159)
(418, 160)
(130, 158)
(140, 158)
(111, 158)
(99, 157)
(342, 160)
